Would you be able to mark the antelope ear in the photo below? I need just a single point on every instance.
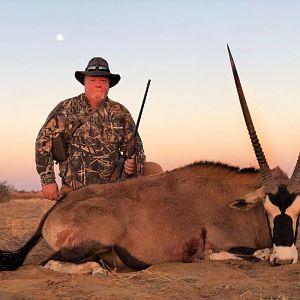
(249, 200)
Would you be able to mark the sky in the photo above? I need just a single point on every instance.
(192, 111)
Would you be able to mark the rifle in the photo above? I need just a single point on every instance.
(121, 174)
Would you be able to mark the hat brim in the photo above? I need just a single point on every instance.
(113, 78)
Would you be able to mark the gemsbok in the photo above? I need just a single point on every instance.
(186, 214)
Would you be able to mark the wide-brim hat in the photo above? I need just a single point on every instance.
(98, 66)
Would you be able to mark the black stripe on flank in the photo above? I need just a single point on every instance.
(242, 250)
(83, 252)
(245, 253)
(129, 260)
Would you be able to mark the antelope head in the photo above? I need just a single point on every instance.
(281, 202)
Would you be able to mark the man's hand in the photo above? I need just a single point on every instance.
(50, 191)
(130, 165)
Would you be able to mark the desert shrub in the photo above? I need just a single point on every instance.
(5, 190)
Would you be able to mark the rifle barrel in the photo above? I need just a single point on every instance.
(120, 169)
(142, 108)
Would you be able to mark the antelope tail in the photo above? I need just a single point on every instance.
(12, 260)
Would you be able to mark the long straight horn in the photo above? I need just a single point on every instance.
(294, 184)
(268, 180)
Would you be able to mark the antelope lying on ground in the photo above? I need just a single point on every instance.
(176, 216)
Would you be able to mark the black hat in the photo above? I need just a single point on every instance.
(98, 66)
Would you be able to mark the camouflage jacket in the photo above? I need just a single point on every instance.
(94, 148)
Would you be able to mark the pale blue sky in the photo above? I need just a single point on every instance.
(192, 110)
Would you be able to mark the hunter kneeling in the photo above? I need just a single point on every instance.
(93, 138)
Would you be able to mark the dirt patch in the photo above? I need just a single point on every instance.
(211, 280)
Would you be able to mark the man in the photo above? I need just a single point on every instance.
(93, 150)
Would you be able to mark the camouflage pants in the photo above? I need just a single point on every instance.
(150, 168)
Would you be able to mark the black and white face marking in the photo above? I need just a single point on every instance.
(283, 211)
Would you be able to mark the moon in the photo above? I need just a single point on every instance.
(59, 37)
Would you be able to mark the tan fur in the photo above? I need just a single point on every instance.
(162, 218)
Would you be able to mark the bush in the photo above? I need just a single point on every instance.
(5, 190)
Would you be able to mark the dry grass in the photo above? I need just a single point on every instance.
(8, 192)
(26, 195)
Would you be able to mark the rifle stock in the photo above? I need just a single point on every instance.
(121, 170)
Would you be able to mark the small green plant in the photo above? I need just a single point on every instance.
(5, 190)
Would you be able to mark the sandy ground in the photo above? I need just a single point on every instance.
(204, 280)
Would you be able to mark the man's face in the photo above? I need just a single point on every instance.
(96, 88)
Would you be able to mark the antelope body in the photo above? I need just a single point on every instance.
(176, 216)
